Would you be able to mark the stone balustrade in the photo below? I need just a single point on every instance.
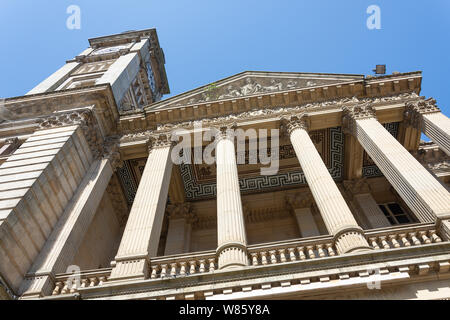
(399, 237)
(259, 255)
(293, 250)
(70, 283)
(183, 264)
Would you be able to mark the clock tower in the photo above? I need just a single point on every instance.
(131, 62)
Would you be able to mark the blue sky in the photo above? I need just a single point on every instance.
(207, 40)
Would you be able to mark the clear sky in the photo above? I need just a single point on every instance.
(206, 40)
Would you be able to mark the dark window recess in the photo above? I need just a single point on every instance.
(395, 213)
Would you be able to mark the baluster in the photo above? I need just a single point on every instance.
(394, 241)
(202, 266)
(263, 257)
(154, 272)
(320, 250)
(423, 235)
(301, 253)
(58, 286)
(254, 258)
(65, 289)
(282, 253)
(212, 265)
(73, 286)
(384, 243)
(311, 253)
(102, 280)
(163, 270)
(84, 283)
(273, 256)
(193, 264)
(404, 240)
(414, 239)
(173, 269)
(183, 268)
(292, 256)
(330, 249)
(374, 243)
(434, 236)
(93, 282)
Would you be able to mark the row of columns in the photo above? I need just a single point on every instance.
(420, 190)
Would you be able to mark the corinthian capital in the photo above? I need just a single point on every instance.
(353, 113)
(291, 123)
(415, 109)
(111, 152)
(161, 141)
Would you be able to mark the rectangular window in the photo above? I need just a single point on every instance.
(395, 213)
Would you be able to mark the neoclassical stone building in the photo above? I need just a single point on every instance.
(93, 207)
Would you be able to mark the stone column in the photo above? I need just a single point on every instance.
(359, 191)
(426, 116)
(181, 218)
(425, 195)
(143, 229)
(334, 210)
(232, 239)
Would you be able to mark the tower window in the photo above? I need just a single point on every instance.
(395, 213)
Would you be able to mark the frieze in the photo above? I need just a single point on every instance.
(259, 114)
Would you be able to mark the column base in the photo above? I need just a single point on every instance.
(38, 286)
(351, 240)
(130, 269)
(232, 256)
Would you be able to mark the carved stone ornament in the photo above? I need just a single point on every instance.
(161, 141)
(289, 124)
(85, 118)
(111, 152)
(357, 186)
(415, 109)
(353, 113)
(181, 211)
(299, 200)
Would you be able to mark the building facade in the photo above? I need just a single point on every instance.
(330, 193)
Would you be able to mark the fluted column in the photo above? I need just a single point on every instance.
(427, 117)
(336, 214)
(232, 240)
(143, 229)
(425, 196)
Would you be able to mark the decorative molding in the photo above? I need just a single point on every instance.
(353, 113)
(85, 118)
(112, 152)
(416, 108)
(289, 124)
(160, 141)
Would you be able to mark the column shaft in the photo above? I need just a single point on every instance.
(333, 208)
(141, 236)
(232, 239)
(425, 195)
(437, 127)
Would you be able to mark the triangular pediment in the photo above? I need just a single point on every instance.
(251, 83)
